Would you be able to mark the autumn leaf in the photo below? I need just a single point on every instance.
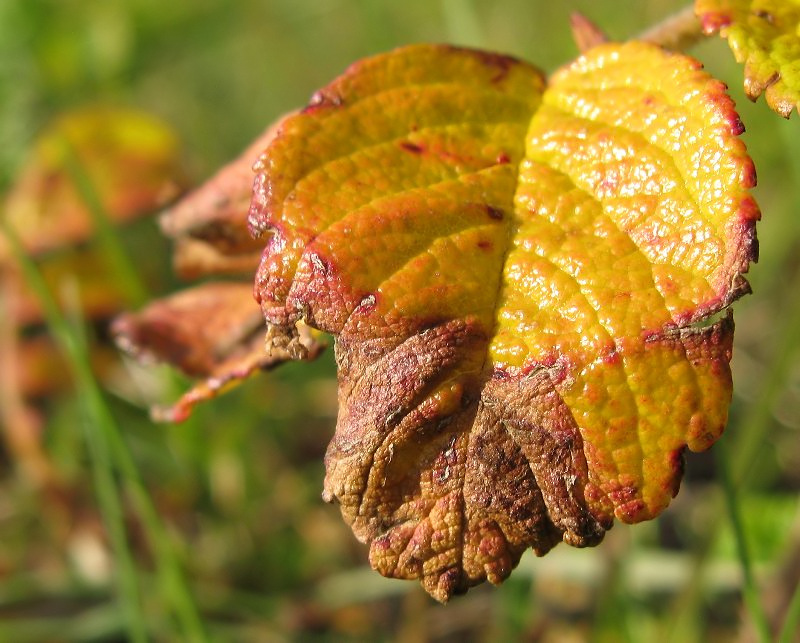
(129, 157)
(524, 280)
(763, 34)
(213, 331)
(209, 225)
(130, 162)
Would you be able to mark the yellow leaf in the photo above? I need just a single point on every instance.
(764, 35)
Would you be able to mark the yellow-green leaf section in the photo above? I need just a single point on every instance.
(520, 281)
(765, 36)
(633, 220)
(131, 159)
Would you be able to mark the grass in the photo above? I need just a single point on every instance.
(214, 530)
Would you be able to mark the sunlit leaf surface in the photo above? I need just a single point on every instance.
(523, 283)
(765, 36)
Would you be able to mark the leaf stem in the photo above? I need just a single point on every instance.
(677, 32)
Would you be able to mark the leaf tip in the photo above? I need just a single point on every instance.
(586, 33)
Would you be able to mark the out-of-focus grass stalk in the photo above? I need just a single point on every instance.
(97, 623)
(128, 281)
(97, 425)
(752, 434)
(750, 587)
(169, 570)
(131, 285)
(108, 450)
(791, 621)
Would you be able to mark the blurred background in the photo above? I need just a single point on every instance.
(214, 528)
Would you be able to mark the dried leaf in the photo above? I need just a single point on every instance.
(763, 34)
(522, 284)
(209, 225)
(214, 332)
(586, 33)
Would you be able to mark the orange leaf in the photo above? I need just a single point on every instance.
(522, 282)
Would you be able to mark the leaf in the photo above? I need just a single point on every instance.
(522, 283)
(130, 158)
(209, 225)
(214, 331)
(763, 34)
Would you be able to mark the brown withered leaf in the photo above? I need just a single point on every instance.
(209, 226)
(215, 331)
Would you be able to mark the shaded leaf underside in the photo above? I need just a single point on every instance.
(212, 331)
(765, 36)
(517, 280)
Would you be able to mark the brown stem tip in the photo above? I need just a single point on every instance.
(585, 33)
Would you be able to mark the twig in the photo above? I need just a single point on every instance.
(677, 32)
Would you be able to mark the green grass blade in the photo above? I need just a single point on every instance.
(791, 622)
(121, 265)
(109, 451)
(750, 588)
(97, 623)
(169, 570)
(753, 428)
(97, 425)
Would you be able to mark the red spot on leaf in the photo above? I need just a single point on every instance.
(501, 63)
(612, 358)
(408, 146)
(494, 213)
